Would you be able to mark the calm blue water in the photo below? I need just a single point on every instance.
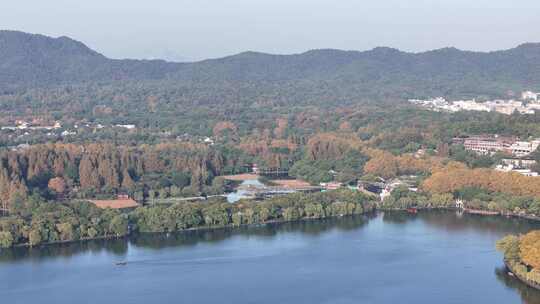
(434, 257)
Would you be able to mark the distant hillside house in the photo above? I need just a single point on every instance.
(528, 95)
(488, 144)
(524, 148)
(519, 162)
(129, 127)
(121, 202)
(331, 185)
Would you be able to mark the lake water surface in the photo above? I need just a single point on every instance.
(432, 257)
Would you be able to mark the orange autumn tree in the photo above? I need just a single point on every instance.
(330, 145)
(345, 126)
(386, 165)
(454, 177)
(529, 247)
(408, 164)
(57, 184)
(101, 167)
(281, 127)
(222, 128)
(382, 164)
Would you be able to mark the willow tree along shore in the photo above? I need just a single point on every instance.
(42, 222)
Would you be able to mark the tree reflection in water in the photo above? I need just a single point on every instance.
(190, 238)
(119, 247)
(450, 221)
(528, 295)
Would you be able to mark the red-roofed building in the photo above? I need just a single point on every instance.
(121, 202)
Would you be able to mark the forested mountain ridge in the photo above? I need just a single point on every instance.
(36, 60)
(31, 59)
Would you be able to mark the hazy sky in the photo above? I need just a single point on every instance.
(196, 29)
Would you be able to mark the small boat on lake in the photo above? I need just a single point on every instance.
(412, 210)
(121, 263)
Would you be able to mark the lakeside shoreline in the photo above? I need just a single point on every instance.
(471, 212)
(520, 277)
(229, 226)
(468, 211)
(202, 228)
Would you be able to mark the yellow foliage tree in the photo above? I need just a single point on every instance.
(454, 177)
(384, 164)
(529, 247)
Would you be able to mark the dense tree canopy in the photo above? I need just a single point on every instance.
(529, 247)
(282, 208)
(455, 176)
(38, 222)
(522, 254)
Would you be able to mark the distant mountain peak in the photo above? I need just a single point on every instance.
(529, 45)
(450, 49)
(385, 49)
(62, 46)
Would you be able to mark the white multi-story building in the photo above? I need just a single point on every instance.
(511, 168)
(519, 163)
(507, 107)
(129, 127)
(524, 148)
(472, 105)
(487, 145)
(528, 95)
